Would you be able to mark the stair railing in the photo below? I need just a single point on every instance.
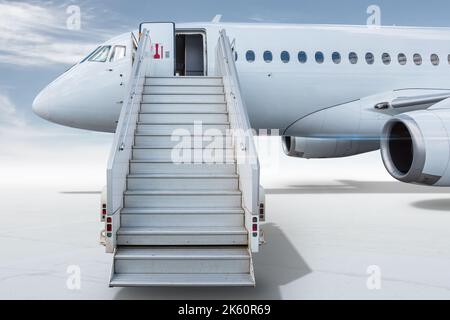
(121, 150)
(246, 155)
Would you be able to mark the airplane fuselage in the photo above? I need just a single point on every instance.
(325, 67)
(277, 94)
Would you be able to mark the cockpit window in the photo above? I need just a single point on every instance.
(118, 53)
(90, 54)
(101, 55)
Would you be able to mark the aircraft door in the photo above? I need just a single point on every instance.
(162, 35)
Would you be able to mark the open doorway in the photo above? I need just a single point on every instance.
(190, 54)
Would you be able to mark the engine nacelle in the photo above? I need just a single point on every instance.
(321, 148)
(415, 147)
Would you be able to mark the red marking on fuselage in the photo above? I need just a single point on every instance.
(157, 56)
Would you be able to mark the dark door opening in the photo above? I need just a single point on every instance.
(190, 51)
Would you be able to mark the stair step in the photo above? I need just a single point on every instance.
(183, 98)
(182, 182)
(183, 128)
(168, 118)
(184, 81)
(183, 107)
(180, 198)
(146, 166)
(181, 220)
(185, 155)
(170, 141)
(179, 217)
(183, 89)
(172, 236)
(179, 280)
(187, 260)
(205, 211)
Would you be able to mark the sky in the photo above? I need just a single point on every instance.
(36, 46)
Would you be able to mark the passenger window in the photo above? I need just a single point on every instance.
(402, 59)
(267, 56)
(336, 56)
(319, 57)
(302, 57)
(386, 58)
(435, 59)
(448, 58)
(285, 56)
(417, 59)
(118, 53)
(250, 56)
(353, 57)
(370, 58)
(101, 55)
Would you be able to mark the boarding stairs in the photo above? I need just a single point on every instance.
(176, 191)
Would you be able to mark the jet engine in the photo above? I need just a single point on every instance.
(415, 147)
(322, 148)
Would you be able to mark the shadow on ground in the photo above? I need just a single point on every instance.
(433, 204)
(358, 187)
(277, 264)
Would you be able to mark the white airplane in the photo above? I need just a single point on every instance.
(331, 90)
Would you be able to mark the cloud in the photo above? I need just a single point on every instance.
(9, 116)
(6, 106)
(35, 35)
(257, 18)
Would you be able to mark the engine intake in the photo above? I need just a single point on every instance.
(415, 147)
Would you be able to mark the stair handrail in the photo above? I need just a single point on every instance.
(247, 157)
(121, 150)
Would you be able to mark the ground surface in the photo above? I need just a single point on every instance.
(325, 228)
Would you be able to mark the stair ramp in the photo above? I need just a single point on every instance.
(183, 180)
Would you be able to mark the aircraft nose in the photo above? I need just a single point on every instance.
(41, 105)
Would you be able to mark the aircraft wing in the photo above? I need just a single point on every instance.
(418, 98)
